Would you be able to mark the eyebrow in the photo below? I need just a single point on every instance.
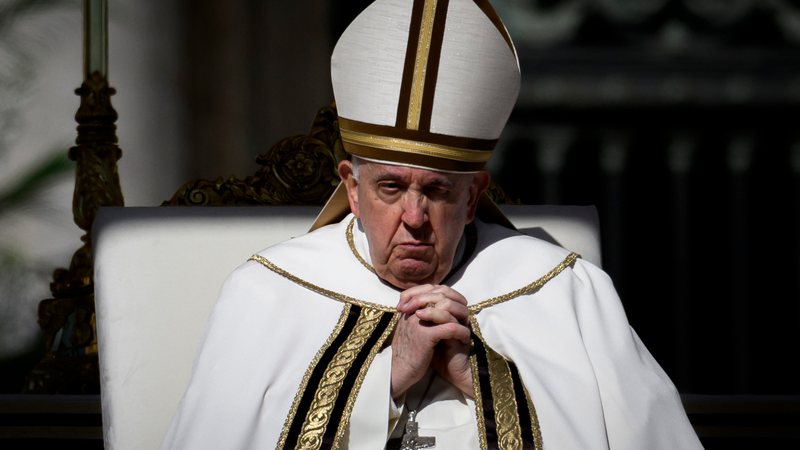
(438, 182)
(448, 183)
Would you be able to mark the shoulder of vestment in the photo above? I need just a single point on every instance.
(503, 260)
(323, 262)
(506, 260)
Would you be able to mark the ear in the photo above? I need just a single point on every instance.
(480, 182)
(350, 182)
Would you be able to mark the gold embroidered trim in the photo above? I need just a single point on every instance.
(505, 404)
(320, 290)
(421, 66)
(351, 242)
(319, 413)
(529, 289)
(537, 431)
(473, 309)
(351, 401)
(304, 384)
(414, 147)
(476, 394)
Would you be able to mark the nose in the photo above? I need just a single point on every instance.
(415, 210)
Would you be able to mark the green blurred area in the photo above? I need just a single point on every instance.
(40, 176)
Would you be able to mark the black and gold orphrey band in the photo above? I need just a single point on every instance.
(320, 412)
(509, 417)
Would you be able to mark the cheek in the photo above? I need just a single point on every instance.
(450, 226)
(381, 223)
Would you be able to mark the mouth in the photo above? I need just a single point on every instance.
(413, 249)
(414, 245)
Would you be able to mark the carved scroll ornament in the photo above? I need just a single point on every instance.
(297, 170)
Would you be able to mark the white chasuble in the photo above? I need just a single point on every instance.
(297, 354)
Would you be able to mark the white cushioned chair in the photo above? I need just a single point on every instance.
(157, 275)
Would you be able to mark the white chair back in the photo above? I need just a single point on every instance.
(158, 272)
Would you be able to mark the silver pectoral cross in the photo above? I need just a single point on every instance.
(411, 438)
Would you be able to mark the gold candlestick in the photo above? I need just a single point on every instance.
(95, 38)
(68, 320)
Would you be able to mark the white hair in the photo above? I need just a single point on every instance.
(355, 165)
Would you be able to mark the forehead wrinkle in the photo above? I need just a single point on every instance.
(399, 173)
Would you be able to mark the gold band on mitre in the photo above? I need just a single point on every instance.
(415, 147)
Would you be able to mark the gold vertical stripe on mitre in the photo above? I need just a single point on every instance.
(421, 65)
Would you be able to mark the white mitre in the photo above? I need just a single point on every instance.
(424, 83)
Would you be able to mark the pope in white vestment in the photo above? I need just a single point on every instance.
(414, 315)
(592, 383)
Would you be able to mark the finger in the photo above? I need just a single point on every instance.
(409, 294)
(424, 300)
(434, 298)
(450, 293)
(447, 291)
(443, 311)
(440, 300)
(451, 331)
(435, 316)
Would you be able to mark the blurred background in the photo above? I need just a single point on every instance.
(676, 118)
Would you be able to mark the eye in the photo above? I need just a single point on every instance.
(389, 187)
(437, 192)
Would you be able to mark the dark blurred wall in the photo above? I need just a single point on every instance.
(255, 71)
(675, 117)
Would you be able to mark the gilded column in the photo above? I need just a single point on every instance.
(67, 319)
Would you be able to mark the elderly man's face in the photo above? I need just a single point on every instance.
(413, 218)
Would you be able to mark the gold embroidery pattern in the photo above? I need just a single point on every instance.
(505, 404)
(473, 309)
(421, 65)
(319, 290)
(501, 382)
(416, 147)
(476, 394)
(319, 413)
(351, 242)
(529, 289)
(476, 385)
(293, 410)
(351, 401)
(537, 431)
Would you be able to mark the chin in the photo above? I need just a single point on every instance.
(409, 275)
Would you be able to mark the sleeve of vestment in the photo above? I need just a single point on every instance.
(261, 336)
(641, 407)
(592, 383)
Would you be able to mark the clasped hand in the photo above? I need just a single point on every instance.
(432, 332)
